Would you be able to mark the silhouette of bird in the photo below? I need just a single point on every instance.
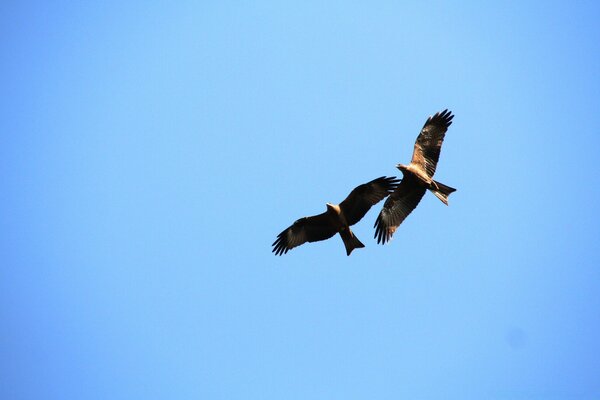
(337, 218)
(417, 177)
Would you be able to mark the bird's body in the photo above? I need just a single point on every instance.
(440, 190)
(337, 218)
(417, 177)
(340, 223)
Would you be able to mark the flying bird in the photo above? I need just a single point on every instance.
(337, 218)
(417, 177)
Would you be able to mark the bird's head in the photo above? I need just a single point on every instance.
(333, 208)
(402, 167)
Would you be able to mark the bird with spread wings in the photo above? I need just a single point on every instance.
(337, 219)
(417, 177)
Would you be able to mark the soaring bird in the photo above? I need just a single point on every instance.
(417, 177)
(337, 218)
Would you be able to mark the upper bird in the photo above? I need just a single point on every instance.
(337, 218)
(417, 177)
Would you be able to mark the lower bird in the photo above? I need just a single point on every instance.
(417, 177)
(337, 219)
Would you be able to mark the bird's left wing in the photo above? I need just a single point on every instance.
(307, 229)
(397, 207)
(363, 197)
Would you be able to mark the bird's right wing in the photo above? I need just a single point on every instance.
(397, 207)
(429, 142)
(307, 229)
(364, 196)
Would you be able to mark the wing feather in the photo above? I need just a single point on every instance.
(364, 196)
(397, 207)
(306, 229)
(429, 142)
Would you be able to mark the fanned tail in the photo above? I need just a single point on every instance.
(351, 242)
(441, 191)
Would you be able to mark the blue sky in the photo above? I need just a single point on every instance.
(151, 152)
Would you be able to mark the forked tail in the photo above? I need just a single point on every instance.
(441, 191)
(350, 241)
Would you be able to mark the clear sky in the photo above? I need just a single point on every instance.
(152, 151)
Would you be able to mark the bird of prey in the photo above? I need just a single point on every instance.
(417, 177)
(337, 218)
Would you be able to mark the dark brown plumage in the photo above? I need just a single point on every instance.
(337, 218)
(417, 177)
